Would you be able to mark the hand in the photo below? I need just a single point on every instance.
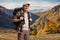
(21, 18)
(16, 20)
(30, 19)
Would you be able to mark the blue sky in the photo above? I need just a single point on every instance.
(35, 4)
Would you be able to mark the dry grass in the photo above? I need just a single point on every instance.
(47, 37)
(9, 34)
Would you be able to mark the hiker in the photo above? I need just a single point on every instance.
(23, 22)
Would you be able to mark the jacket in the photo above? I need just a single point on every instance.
(22, 15)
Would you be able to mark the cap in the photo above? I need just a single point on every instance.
(26, 4)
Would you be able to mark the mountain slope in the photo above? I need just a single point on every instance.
(49, 22)
(5, 21)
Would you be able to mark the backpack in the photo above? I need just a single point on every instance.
(16, 10)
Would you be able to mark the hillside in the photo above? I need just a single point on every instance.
(49, 22)
(5, 21)
(38, 12)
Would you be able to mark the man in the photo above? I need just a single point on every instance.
(24, 19)
(16, 17)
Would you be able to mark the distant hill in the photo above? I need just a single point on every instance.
(5, 21)
(38, 12)
(9, 12)
(49, 20)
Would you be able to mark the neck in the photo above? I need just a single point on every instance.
(25, 11)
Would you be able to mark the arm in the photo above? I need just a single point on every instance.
(15, 19)
(30, 19)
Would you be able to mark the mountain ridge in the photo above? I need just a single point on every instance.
(49, 20)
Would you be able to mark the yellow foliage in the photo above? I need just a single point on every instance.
(50, 21)
(39, 31)
(33, 32)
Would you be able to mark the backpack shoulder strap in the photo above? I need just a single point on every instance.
(21, 12)
(29, 14)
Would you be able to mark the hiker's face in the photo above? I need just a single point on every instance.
(26, 7)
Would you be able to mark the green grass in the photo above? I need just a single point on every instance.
(10, 34)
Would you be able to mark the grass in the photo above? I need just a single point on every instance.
(47, 37)
(10, 34)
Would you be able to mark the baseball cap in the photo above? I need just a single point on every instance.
(26, 4)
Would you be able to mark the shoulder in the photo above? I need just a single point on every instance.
(17, 9)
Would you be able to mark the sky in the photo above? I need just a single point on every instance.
(34, 4)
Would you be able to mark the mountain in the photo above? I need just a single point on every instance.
(38, 12)
(5, 21)
(2, 8)
(9, 12)
(49, 22)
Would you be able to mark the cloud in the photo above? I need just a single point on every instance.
(11, 5)
(34, 4)
(42, 5)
